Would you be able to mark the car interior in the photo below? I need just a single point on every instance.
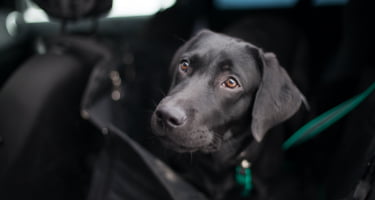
(53, 52)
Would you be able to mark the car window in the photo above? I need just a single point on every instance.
(120, 8)
(256, 4)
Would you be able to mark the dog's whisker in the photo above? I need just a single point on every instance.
(178, 38)
(216, 136)
(154, 103)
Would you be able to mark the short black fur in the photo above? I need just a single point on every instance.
(225, 95)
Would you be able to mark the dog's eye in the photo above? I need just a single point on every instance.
(230, 83)
(184, 66)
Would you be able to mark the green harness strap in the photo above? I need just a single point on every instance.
(325, 120)
(243, 174)
(244, 177)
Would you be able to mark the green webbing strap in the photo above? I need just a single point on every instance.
(325, 120)
(244, 177)
(311, 129)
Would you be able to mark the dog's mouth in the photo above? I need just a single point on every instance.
(210, 144)
(168, 143)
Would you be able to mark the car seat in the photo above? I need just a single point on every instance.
(43, 139)
(351, 173)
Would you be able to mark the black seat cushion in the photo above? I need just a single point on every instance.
(45, 142)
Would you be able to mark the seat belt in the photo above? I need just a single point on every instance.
(325, 120)
(243, 175)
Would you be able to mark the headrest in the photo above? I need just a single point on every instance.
(74, 9)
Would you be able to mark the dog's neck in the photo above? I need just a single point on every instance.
(232, 151)
(216, 170)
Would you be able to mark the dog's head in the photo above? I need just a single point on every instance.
(220, 86)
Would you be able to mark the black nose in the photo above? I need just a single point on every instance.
(170, 116)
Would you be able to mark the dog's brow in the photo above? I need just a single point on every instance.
(226, 67)
(225, 64)
(194, 59)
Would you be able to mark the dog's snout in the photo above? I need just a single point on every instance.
(170, 116)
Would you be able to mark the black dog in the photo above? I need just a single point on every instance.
(224, 93)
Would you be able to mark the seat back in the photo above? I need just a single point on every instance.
(44, 142)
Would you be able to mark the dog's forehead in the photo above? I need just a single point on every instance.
(215, 51)
(214, 43)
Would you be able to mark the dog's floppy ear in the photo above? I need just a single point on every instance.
(277, 98)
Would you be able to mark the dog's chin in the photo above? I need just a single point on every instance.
(211, 147)
(177, 147)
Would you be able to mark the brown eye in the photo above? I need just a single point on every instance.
(231, 83)
(184, 66)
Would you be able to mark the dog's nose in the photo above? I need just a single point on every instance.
(171, 116)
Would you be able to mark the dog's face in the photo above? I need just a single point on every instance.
(218, 87)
